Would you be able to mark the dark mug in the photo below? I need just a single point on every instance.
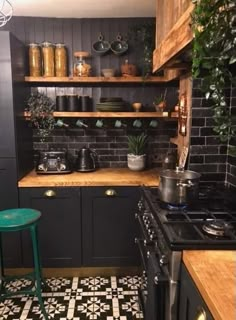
(61, 103)
(72, 103)
(86, 104)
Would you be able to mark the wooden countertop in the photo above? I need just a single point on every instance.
(214, 273)
(100, 177)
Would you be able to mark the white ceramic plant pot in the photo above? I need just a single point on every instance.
(136, 163)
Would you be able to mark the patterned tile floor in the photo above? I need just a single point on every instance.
(100, 298)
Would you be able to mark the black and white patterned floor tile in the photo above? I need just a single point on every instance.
(85, 298)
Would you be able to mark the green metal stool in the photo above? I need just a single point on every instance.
(17, 220)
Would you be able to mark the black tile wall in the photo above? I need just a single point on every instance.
(207, 154)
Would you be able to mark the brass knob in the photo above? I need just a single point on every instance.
(110, 193)
(49, 193)
(201, 314)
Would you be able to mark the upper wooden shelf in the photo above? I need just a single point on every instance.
(95, 80)
(112, 114)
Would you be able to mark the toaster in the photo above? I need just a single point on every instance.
(53, 162)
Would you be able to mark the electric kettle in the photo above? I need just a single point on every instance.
(85, 160)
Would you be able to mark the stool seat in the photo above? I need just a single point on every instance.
(18, 219)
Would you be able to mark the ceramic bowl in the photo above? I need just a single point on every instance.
(101, 46)
(119, 47)
(107, 73)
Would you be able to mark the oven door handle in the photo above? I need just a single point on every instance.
(141, 244)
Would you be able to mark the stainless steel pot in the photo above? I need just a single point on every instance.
(178, 187)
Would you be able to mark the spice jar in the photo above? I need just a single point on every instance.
(48, 59)
(60, 60)
(35, 62)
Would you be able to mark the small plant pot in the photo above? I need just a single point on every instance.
(136, 162)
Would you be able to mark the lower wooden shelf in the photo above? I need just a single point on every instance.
(112, 114)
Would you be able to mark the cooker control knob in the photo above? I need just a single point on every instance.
(136, 216)
(153, 236)
(156, 280)
(150, 231)
(163, 260)
(148, 254)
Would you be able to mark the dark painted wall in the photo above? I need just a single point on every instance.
(207, 154)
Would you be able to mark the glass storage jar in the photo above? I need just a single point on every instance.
(35, 61)
(48, 59)
(81, 69)
(60, 60)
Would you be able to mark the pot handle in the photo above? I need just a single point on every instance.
(189, 184)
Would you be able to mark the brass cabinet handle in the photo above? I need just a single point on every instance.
(49, 193)
(110, 193)
(201, 314)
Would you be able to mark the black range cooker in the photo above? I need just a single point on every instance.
(166, 230)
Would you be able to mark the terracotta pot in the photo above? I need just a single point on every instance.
(128, 70)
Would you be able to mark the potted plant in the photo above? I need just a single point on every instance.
(160, 102)
(214, 58)
(40, 108)
(136, 156)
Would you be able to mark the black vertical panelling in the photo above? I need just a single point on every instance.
(58, 30)
(68, 40)
(48, 30)
(39, 30)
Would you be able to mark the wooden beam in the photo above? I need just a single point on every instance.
(176, 40)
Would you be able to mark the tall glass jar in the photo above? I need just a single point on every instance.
(48, 59)
(60, 60)
(35, 61)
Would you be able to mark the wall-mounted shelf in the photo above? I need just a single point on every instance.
(95, 80)
(165, 115)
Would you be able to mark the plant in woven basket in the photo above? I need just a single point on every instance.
(40, 108)
(136, 156)
(214, 58)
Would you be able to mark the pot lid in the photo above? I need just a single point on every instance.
(180, 175)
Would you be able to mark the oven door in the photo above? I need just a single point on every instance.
(157, 290)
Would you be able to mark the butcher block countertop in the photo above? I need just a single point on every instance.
(100, 177)
(214, 273)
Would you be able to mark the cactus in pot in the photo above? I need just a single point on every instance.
(137, 157)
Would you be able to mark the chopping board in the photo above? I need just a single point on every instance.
(183, 157)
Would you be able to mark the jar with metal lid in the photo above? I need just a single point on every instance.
(81, 69)
(60, 60)
(48, 59)
(35, 61)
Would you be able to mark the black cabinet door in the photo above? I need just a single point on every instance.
(191, 303)
(59, 228)
(9, 199)
(109, 226)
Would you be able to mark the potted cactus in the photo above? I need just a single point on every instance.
(137, 157)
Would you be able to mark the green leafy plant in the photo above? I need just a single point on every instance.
(40, 108)
(214, 57)
(137, 144)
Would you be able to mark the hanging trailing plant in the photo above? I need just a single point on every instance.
(214, 57)
(144, 35)
(40, 108)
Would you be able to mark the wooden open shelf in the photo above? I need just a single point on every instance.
(95, 80)
(112, 114)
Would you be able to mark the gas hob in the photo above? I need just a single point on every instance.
(208, 223)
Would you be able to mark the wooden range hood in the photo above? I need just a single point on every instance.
(173, 43)
(173, 33)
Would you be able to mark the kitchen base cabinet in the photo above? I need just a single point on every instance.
(191, 304)
(59, 228)
(109, 226)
